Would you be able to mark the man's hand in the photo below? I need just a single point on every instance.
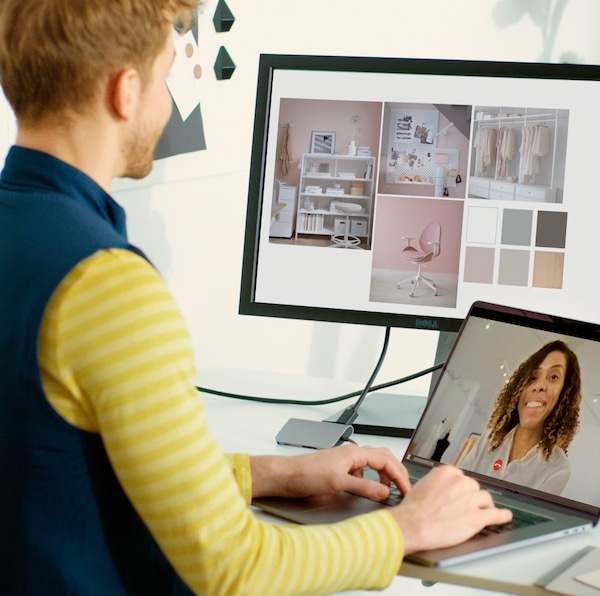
(327, 472)
(445, 508)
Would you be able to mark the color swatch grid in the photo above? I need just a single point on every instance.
(515, 247)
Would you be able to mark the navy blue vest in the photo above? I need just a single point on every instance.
(66, 526)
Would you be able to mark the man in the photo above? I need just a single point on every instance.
(111, 481)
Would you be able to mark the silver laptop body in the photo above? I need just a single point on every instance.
(491, 344)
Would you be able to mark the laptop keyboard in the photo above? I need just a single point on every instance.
(394, 497)
(521, 519)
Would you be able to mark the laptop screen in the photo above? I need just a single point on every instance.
(512, 407)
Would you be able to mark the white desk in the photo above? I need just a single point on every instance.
(241, 426)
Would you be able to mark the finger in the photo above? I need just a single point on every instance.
(495, 516)
(489, 514)
(389, 468)
(398, 476)
(364, 487)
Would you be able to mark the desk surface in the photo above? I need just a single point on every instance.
(242, 426)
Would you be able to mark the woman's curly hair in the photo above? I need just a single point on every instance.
(562, 424)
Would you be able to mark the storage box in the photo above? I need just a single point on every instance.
(358, 227)
(357, 189)
(339, 225)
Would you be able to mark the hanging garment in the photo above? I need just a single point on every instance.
(541, 143)
(525, 165)
(501, 169)
(489, 156)
(478, 152)
(507, 147)
(286, 151)
(485, 149)
(509, 143)
(535, 144)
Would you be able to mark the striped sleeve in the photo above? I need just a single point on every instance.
(116, 359)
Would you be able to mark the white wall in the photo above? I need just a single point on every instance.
(193, 227)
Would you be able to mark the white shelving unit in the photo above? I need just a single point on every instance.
(329, 179)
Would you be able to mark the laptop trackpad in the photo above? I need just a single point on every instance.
(317, 510)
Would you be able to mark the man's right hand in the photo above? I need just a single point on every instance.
(445, 508)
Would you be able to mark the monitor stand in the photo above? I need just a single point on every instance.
(397, 415)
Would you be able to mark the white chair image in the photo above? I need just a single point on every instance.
(429, 248)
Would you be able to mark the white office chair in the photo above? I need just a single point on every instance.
(429, 248)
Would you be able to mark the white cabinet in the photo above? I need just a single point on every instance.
(497, 190)
(283, 211)
(502, 191)
(479, 187)
(327, 180)
(538, 194)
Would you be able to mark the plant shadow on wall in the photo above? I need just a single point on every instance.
(545, 14)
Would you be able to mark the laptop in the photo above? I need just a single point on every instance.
(549, 500)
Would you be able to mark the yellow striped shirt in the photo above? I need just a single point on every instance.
(116, 359)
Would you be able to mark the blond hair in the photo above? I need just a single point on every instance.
(55, 54)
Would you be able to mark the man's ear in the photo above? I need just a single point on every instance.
(123, 93)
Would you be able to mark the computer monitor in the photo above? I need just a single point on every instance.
(397, 192)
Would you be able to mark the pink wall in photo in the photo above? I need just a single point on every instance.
(398, 217)
(308, 115)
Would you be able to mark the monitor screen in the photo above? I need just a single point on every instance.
(397, 192)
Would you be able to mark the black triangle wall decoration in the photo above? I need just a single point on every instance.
(223, 18)
(224, 65)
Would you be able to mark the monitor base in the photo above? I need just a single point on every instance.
(387, 414)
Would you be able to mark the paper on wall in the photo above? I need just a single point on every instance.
(183, 80)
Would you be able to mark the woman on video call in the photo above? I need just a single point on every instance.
(535, 417)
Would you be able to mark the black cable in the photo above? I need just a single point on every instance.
(318, 402)
(350, 414)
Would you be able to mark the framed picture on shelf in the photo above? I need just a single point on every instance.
(322, 142)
